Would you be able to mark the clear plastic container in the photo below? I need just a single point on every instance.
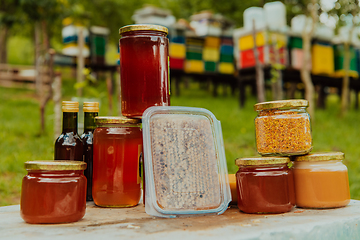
(185, 164)
(321, 181)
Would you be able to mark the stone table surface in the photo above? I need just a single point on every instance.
(131, 223)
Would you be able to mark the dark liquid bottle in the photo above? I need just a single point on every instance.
(91, 110)
(69, 146)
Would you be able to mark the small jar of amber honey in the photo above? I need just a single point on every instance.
(321, 180)
(265, 185)
(53, 192)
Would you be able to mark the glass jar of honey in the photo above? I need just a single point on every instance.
(321, 180)
(117, 145)
(53, 192)
(265, 185)
(143, 68)
(283, 128)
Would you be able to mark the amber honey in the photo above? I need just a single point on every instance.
(53, 192)
(117, 146)
(265, 185)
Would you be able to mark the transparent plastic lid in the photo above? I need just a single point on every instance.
(185, 164)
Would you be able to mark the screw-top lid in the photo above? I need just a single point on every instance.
(143, 27)
(91, 107)
(116, 120)
(58, 165)
(254, 161)
(314, 157)
(70, 106)
(281, 104)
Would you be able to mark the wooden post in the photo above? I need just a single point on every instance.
(260, 83)
(46, 97)
(38, 83)
(80, 60)
(109, 86)
(56, 86)
(276, 85)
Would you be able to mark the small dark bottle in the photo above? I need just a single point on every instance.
(91, 110)
(69, 146)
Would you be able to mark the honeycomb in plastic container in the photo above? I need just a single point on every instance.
(184, 162)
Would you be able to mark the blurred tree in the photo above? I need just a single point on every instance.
(9, 15)
(311, 9)
(347, 8)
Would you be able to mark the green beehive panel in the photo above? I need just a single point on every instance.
(339, 58)
(295, 42)
(99, 44)
(193, 56)
(210, 66)
(226, 58)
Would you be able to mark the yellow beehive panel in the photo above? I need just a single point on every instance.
(194, 66)
(278, 38)
(211, 54)
(213, 42)
(247, 42)
(341, 73)
(322, 59)
(226, 68)
(177, 50)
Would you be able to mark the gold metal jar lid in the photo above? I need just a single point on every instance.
(143, 27)
(91, 107)
(255, 161)
(57, 165)
(281, 104)
(116, 120)
(70, 106)
(314, 157)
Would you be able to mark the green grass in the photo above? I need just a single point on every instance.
(20, 123)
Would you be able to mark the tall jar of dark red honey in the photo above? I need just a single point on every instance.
(117, 145)
(283, 128)
(144, 68)
(53, 192)
(265, 185)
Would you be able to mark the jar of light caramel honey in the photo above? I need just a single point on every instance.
(321, 180)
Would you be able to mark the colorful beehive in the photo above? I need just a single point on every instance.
(271, 46)
(226, 64)
(70, 34)
(322, 58)
(194, 55)
(177, 47)
(339, 53)
(211, 53)
(98, 40)
(247, 57)
(295, 45)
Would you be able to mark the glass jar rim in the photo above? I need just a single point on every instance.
(143, 27)
(292, 103)
(256, 161)
(55, 165)
(116, 120)
(326, 156)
